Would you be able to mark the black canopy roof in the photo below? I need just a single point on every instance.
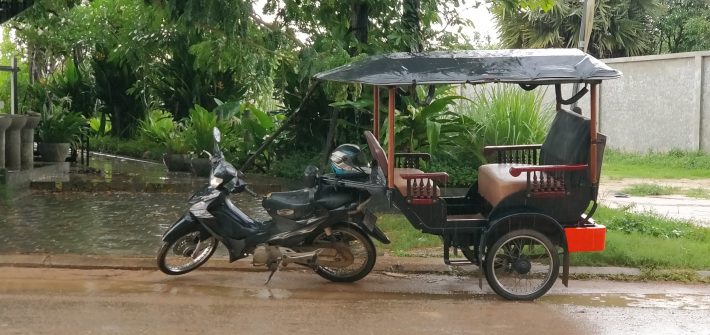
(527, 66)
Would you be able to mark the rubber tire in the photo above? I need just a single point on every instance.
(371, 257)
(167, 245)
(517, 233)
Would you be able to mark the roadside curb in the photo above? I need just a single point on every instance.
(385, 263)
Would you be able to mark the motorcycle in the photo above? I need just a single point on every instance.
(325, 226)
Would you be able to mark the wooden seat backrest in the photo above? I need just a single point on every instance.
(377, 152)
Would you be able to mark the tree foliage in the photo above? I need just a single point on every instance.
(621, 27)
(683, 26)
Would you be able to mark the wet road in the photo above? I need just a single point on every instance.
(53, 301)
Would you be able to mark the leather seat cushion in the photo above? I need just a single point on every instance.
(495, 182)
(401, 183)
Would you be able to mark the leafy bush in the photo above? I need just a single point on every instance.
(138, 147)
(198, 130)
(429, 128)
(95, 125)
(292, 165)
(157, 126)
(60, 125)
(461, 173)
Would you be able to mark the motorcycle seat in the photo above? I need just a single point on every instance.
(291, 204)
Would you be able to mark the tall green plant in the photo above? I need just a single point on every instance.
(509, 115)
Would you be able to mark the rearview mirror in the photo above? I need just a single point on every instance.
(217, 134)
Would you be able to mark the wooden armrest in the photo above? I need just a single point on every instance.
(516, 171)
(495, 148)
(441, 177)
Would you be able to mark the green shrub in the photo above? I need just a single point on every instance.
(461, 173)
(60, 125)
(158, 126)
(95, 125)
(198, 130)
(292, 165)
(137, 147)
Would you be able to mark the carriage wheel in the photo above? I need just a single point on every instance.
(522, 265)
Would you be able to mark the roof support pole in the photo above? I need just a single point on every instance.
(376, 111)
(390, 139)
(593, 133)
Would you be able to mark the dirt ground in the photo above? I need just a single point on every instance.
(54, 301)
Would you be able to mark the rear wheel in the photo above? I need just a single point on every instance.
(522, 265)
(360, 246)
(186, 253)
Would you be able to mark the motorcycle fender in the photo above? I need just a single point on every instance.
(183, 225)
(368, 223)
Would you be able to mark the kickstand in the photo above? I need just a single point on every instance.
(275, 268)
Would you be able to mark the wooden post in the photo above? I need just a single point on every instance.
(376, 111)
(390, 139)
(593, 135)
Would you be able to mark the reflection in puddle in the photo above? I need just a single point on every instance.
(108, 223)
(658, 301)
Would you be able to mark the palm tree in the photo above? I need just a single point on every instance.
(621, 27)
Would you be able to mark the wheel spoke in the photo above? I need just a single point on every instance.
(188, 251)
(361, 250)
(522, 265)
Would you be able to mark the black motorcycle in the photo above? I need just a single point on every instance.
(325, 226)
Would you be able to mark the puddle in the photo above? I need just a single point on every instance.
(94, 223)
(689, 302)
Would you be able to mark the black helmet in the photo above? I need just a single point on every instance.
(347, 159)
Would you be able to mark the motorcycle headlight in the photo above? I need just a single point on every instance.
(215, 181)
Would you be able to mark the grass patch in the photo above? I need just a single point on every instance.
(405, 239)
(648, 241)
(671, 165)
(699, 193)
(653, 189)
(645, 241)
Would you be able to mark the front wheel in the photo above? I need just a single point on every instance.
(522, 265)
(186, 253)
(359, 245)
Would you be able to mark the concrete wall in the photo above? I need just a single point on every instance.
(661, 103)
(705, 119)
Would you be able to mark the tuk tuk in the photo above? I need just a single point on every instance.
(533, 204)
